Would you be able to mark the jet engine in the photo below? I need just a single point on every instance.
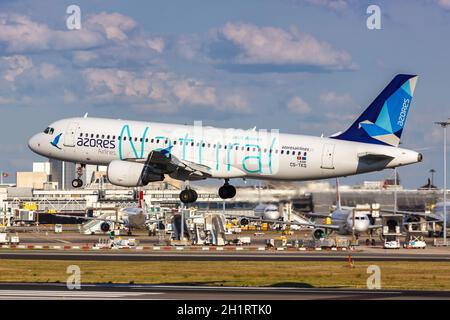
(105, 226)
(243, 221)
(132, 174)
(318, 234)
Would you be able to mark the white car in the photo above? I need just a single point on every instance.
(392, 244)
(415, 244)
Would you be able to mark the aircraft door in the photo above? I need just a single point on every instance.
(328, 156)
(69, 135)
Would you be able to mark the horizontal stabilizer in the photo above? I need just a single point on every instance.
(367, 156)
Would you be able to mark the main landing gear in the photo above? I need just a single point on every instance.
(78, 183)
(188, 195)
(227, 191)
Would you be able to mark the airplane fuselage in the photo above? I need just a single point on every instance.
(228, 153)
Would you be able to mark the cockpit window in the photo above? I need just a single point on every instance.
(49, 130)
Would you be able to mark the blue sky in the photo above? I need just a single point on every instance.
(303, 66)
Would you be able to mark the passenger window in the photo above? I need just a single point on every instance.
(165, 142)
(103, 136)
(287, 152)
(81, 134)
(86, 135)
(175, 142)
(157, 140)
(135, 139)
(282, 152)
(124, 138)
(152, 140)
(192, 144)
(107, 137)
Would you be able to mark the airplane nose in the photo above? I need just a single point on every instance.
(34, 143)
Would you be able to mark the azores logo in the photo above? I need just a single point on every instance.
(391, 119)
(56, 141)
(167, 151)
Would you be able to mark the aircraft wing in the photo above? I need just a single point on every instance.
(412, 213)
(88, 218)
(314, 225)
(375, 226)
(317, 214)
(165, 162)
(99, 219)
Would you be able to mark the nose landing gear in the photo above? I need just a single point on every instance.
(78, 183)
(227, 191)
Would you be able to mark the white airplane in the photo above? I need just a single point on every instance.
(341, 221)
(132, 218)
(139, 152)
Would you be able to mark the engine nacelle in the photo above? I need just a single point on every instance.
(131, 174)
(318, 234)
(243, 221)
(105, 226)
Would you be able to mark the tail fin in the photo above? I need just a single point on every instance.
(383, 121)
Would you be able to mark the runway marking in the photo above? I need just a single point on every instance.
(63, 241)
(73, 294)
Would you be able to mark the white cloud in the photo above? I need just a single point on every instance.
(114, 25)
(20, 34)
(85, 56)
(298, 105)
(334, 99)
(444, 4)
(331, 4)
(165, 91)
(48, 71)
(15, 65)
(236, 102)
(156, 44)
(69, 97)
(5, 101)
(270, 45)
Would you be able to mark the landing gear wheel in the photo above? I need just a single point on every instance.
(227, 191)
(188, 196)
(77, 183)
(373, 242)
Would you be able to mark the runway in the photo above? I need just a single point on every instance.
(46, 291)
(221, 256)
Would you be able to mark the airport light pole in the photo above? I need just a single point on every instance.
(432, 171)
(444, 126)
